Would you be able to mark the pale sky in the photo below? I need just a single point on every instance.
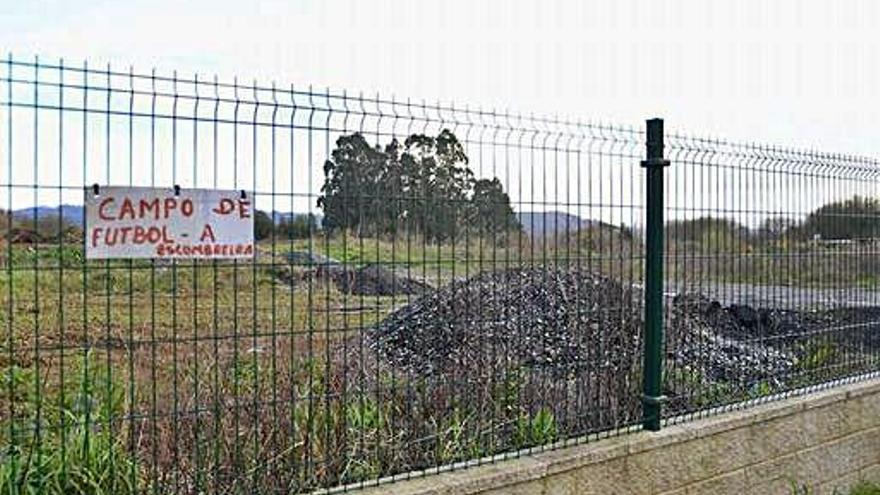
(803, 73)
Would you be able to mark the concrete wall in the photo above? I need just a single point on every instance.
(828, 440)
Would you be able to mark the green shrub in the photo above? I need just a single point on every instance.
(817, 356)
(538, 429)
(800, 489)
(364, 417)
(865, 488)
(61, 443)
(760, 389)
(509, 393)
(698, 389)
(451, 437)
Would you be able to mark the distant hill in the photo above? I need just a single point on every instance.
(535, 223)
(280, 216)
(70, 213)
(539, 223)
(74, 214)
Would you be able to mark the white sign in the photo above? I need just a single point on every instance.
(142, 222)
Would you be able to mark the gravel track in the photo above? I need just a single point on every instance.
(778, 296)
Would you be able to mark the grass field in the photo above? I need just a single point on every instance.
(215, 373)
(128, 375)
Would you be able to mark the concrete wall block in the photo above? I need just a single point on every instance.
(733, 483)
(825, 441)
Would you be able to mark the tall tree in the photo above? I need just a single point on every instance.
(297, 227)
(436, 182)
(263, 225)
(854, 218)
(776, 228)
(710, 233)
(491, 212)
(422, 185)
(359, 187)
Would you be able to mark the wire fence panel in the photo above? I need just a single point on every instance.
(431, 285)
(771, 271)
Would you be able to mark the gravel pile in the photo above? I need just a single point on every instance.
(559, 322)
(575, 337)
(745, 322)
(375, 280)
(726, 344)
(370, 280)
(746, 345)
(566, 322)
(570, 341)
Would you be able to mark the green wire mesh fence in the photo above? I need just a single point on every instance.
(771, 259)
(432, 286)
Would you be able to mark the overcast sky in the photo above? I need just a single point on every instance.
(802, 73)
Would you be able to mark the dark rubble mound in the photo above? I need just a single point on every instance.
(369, 280)
(376, 280)
(560, 322)
(745, 322)
(731, 344)
(747, 345)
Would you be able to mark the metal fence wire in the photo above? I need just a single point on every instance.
(433, 286)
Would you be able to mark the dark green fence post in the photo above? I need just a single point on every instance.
(652, 397)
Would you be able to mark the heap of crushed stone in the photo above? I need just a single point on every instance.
(376, 280)
(557, 321)
(734, 344)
